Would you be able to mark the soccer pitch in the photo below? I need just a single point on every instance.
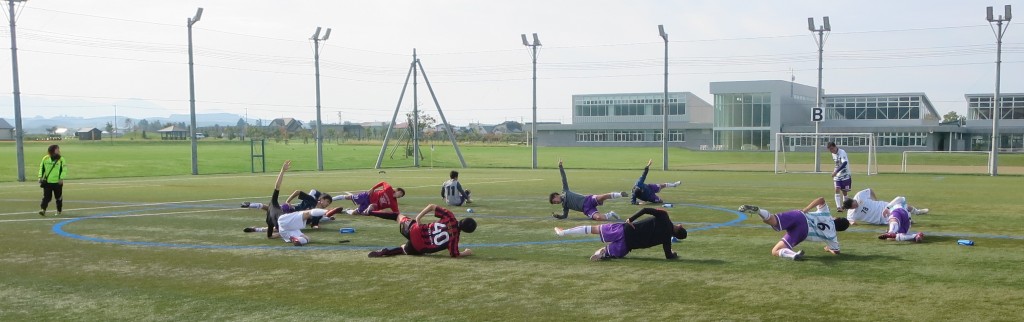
(172, 248)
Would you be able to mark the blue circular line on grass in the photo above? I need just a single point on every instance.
(59, 230)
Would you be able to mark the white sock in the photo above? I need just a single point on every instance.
(578, 230)
(839, 201)
(787, 253)
(260, 229)
(673, 184)
(616, 195)
(255, 205)
(303, 240)
(905, 237)
(764, 214)
(894, 227)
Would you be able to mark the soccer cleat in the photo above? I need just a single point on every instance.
(42, 212)
(611, 214)
(799, 255)
(919, 237)
(245, 204)
(559, 216)
(350, 211)
(248, 230)
(377, 253)
(600, 254)
(887, 236)
(920, 211)
(675, 184)
(624, 194)
(559, 231)
(295, 241)
(749, 209)
(57, 214)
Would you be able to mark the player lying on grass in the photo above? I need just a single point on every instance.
(425, 238)
(313, 199)
(381, 196)
(290, 225)
(274, 210)
(648, 192)
(585, 204)
(899, 227)
(865, 207)
(801, 225)
(625, 237)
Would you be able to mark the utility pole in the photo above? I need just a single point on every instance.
(533, 50)
(19, 132)
(192, 93)
(319, 124)
(997, 104)
(817, 101)
(664, 105)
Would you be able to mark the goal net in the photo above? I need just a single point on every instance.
(945, 161)
(794, 152)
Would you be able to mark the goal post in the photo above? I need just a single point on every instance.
(794, 152)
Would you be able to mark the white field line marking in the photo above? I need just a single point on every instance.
(120, 216)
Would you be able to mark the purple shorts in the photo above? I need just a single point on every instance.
(615, 236)
(287, 208)
(361, 200)
(795, 225)
(902, 218)
(590, 204)
(844, 185)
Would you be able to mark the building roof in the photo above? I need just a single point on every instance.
(173, 128)
(5, 125)
(86, 129)
(924, 100)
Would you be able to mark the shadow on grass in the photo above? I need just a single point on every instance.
(830, 259)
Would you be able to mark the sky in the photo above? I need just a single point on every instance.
(255, 58)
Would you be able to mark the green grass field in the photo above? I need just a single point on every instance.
(144, 241)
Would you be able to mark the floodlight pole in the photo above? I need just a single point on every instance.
(319, 124)
(817, 101)
(192, 93)
(533, 129)
(996, 103)
(18, 131)
(664, 105)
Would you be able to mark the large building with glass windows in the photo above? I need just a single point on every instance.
(631, 119)
(979, 122)
(747, 115)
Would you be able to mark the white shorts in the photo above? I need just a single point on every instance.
(290, 225)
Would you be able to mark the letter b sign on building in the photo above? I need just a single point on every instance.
(816, 114)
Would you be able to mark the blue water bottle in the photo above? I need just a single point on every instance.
(347, 230)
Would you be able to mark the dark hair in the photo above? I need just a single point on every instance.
(842, 223)
(52, 149)
(847, 203)
(454, 174)
(551, 197)
(467, 225)
(831, 144)
(680, 233)
(326, 196)
(402, 190)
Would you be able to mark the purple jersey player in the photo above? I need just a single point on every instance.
(627, 236)
(899, 227)
(585, 204)
(802, 225)
(648, 192)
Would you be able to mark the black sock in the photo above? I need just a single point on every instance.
(393, 251)
(384, 215)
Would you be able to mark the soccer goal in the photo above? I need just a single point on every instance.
(794, 152)
(946, 161)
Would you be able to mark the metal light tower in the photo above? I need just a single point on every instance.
(19, 135)
(319, 124)
(192, 93)
(533, 129)
(664, 105)
(999, 30)
(817, 101)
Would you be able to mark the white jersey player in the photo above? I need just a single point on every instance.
(452, 192)
(865, 207)
(800, 225)
(841, 174)
(290, 225)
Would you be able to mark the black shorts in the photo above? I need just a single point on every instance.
(404, 227)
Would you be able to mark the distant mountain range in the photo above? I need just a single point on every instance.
(38, 125)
